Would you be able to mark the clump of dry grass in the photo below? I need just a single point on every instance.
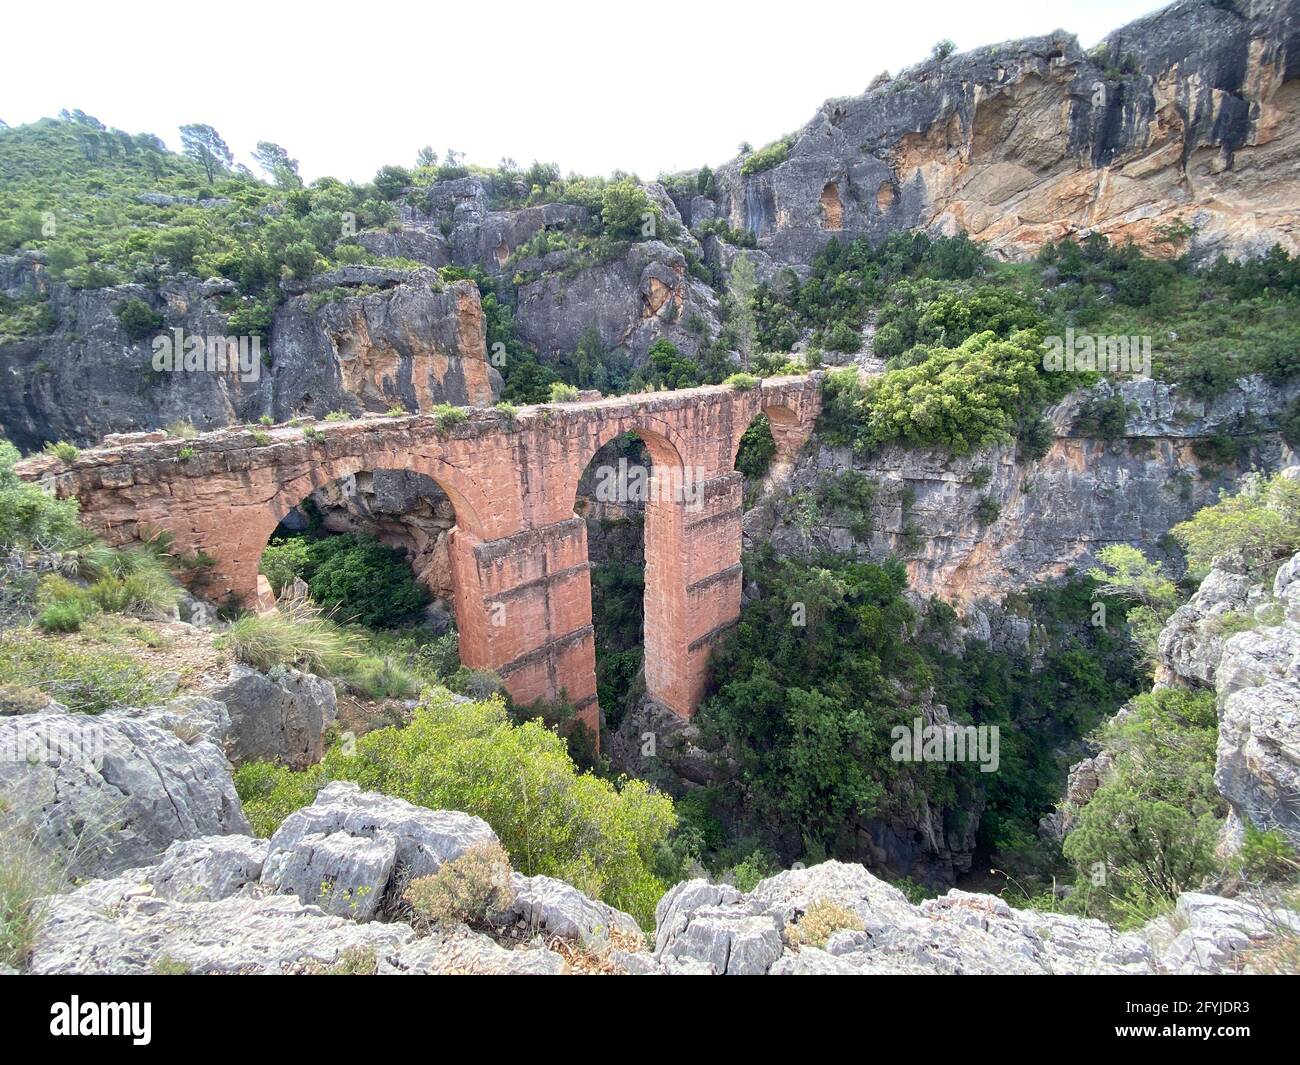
(819, 922)
(464, 890)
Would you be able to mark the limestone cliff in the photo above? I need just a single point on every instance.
(1187, 115)
(356, 339)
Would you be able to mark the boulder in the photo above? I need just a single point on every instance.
(343, 873)
(209, 868)
(1209, 934)
(188, 717)
(554, 908)
(111, 793)
(344, 850)
(279, 716)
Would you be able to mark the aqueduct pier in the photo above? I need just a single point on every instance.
(518, 551)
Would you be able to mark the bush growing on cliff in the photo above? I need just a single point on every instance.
(961, 398)
(1261, 524)
(767, 157)
(1153, 824)
(519, 778)
(138, 318)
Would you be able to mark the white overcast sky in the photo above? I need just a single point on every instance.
(594, 86)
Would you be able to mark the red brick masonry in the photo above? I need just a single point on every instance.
(519, 554)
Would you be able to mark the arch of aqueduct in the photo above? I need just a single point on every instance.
(518, 551)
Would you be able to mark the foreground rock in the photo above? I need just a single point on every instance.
(108, 794)
(716, 929)
(1257, 762)
(278, 716)
(1209, 934)
(352, 850)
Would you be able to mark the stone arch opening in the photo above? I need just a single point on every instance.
(769, 442)
(634, 495)
(406, 511)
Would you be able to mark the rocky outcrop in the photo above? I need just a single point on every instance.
(1191, 643)
(1052, 514)
(350, 851)
(355, 339)
(414, 344)
(550, 907)
(279, 716)
(1210, 934)
(1186, 115)
(718, 930)
(630, 301)
(226, 904)
(106, 794)
(1257, 762)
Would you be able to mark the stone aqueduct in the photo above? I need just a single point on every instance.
(518, 551)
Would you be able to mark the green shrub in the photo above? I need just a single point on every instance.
(85, 681)
(767, 157)
(138, 318)
(562, 393)
(365, 581)
(1266, 855)
(987, 510)
(63, 451)
(338, 416)
(284, 559)
(270, 793)
(1261, 523)
(757, 448)
(520, 779)
(1153, 824)
(446, 417)
(743, 382)
(62, 617)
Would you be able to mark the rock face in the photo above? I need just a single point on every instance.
(1187, 114)
(630, 302)
(1053, 513)
(280, 716)
(355, 339)
(1209, 934)
(1257, 762)
(1191, 643)
(109, 794)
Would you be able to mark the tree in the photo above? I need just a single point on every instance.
(391, 180)
(426, 156)
(275, 161)
(743, 285)
(204, 144)
(623, 207)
